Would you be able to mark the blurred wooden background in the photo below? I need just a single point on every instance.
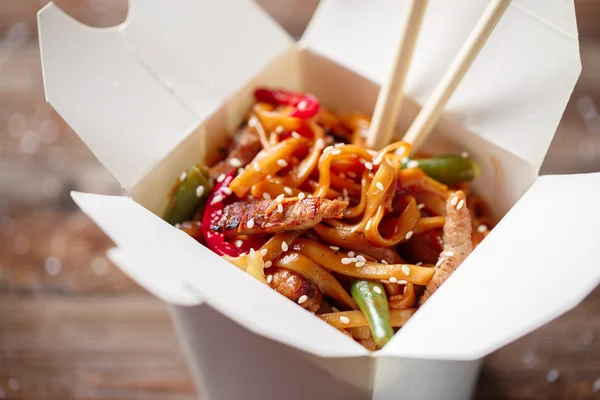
(72, 326)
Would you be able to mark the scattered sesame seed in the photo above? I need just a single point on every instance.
(346, 261)
(284, 246)
(269, 278)
(405, 270)
(552, 375)
(252, 122)
(408, 235)
(243, 254)
(344, 320)
(402, 282)
(384, 262)
(420, 206)
(361, 258)
(453, 201)
(263, 252)
(460, 204)
(379, 185)
(393, 279)
(596, 386)
(448, 253)
(412, 164)
(240, 170)
(336, 152)
(266, 196)
(327, 149)
(256, 165)
(528, 358)
(360, 264)
(419, 263)
(320, 143)
(335, 248)
(302, 299)
(440, 261)
(182, 176)
(268, 264)
(351, 253)
(405, 160)
(250, 223)
(200, 191)
(343, 176)
(464, 154)
(377, 289)
(280, 198)
(280, 208)
(338, 145)
(587, 338)
(368, 165)
(14, 385)
(238, 243)
(216, 199)
(302, 105)
(282, 163)
(301, 196)
(227, 190)
(296, 135)
(221, 178)
(288, 190)
(362, 161)
(309, 196)
(235, 162)
(482, 228)
(279, 129)
(378, 159)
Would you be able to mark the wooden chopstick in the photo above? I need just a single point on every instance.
(389, 100)
(432, 110)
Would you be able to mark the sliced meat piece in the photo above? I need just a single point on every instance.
(457, 242)
(368, 343)
(293, 286)
(245, 146)
(262, 217)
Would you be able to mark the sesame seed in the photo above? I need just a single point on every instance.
(361, 258)
(302, 105)
(393, 279)
(384, 262)
(235, 162)
(221, 178)
(282, 163)
(279, 198)
(345, 192)
(288, 190)
(335, 248)
(263, 252)
(440, 261)
(405, 270)
(284, 246)
(453, 201)
(226, 190)
(177, 226)
(482, 228)
(301, 196)
(369, 166)
(279, 129)
(343, 176)
(216, 199)
(596, 386)
(464, 154)
(309, 196)
(302, 299)
(240, 170)
(296, 135)
(552, 375)
(379, 185)
(252, 122)
(460, 204)
(419, 263)
(351, 253)
(268, 264)
(250, 223)
(200, 191)
(402, 282)
(327, 149)
(320, 143)
(362, 161)
(405, 160)
(238, 243)
(243, 254)
(412, 164)
(378, 160)
(408, 235)
(266, 196)
(252, 252)
(344, 320)
(182, 176)
(420, 206)
(269, 278)
(336, 152)
(256, 166)
(360, 264)
(352, 174)
(280, 208)
(448, 253)
(346, 261)
(377, 289)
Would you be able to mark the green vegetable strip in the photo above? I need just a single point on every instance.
(447, 169)
(185, 201)
(372, 301)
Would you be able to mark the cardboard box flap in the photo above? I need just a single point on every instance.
(539, 262)
(133, 92)
(146, 244)
(515, 92)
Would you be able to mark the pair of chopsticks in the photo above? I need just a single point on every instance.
(389, 101)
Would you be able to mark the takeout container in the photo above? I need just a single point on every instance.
(156, 94)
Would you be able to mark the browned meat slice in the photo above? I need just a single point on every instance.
(295, 287)
(457, 242)
(245, 146)
(266, 217)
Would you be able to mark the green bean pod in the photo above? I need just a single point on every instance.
(372, 301)
(187, 197)
(447, 169)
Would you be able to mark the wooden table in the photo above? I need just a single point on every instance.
(72, 326)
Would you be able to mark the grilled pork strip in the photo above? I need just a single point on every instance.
(262, 217)
(293, 286)
(245, 146)
(457, 242)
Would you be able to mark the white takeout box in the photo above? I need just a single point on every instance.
(155, 95)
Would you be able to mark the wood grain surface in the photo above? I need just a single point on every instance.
(72, 326)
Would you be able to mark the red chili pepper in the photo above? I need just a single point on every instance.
(306, 105)
(212, 213)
